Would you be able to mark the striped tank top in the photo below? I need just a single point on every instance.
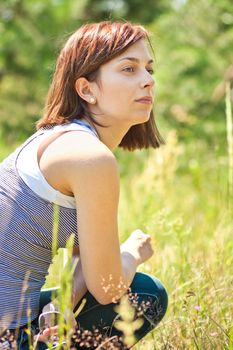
(26, 226)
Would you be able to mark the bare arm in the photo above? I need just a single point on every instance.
(92, 177)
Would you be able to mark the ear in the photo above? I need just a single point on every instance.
(84, 89)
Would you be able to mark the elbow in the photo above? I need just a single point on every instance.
(102, 299)
(105, 299)
(109, 292)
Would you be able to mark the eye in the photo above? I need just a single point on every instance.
(129, 69)
(150, 70)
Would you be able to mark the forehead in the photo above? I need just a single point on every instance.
(138, 50)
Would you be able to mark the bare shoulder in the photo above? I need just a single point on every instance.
(77, 162)
(76, 158)
(84, 152)
(80, 143)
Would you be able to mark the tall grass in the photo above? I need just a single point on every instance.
(180, 198)
(229, 124)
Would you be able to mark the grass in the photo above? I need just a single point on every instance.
(186, 213)
(229, 123)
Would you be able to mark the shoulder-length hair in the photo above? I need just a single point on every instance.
(85, 51)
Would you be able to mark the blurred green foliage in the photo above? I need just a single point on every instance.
(195, 59)
(193, 43)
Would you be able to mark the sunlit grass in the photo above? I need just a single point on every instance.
(181, 200)
(229, 127)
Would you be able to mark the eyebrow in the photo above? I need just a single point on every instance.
(135, 59)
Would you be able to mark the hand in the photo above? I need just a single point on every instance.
(48, 322)
(139, 245)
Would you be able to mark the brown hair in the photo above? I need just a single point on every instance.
(84, 52)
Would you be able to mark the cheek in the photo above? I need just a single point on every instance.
(116, 94)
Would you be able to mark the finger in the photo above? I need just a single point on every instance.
(47, 333)
(50, 331)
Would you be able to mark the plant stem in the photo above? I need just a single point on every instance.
(229, 125)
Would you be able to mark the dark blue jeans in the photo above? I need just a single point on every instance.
(147, 295)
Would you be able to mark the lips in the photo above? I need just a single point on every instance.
(145, 99)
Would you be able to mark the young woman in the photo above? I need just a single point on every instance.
(101, 97)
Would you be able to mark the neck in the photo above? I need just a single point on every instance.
(111, 136)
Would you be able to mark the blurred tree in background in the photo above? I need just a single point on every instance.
(30, 32)
(193, 43)
(195, 56)
(135, 10)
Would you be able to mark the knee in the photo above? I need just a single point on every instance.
(152, 296)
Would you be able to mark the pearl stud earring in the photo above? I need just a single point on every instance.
(92, 100)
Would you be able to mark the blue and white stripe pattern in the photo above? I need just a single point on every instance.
(26, 226)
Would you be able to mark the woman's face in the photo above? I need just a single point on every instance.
(125, 87)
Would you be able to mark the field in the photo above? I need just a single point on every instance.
(179, 196)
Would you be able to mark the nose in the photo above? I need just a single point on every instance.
(148, 80)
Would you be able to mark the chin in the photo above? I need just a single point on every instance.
(141, 119)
